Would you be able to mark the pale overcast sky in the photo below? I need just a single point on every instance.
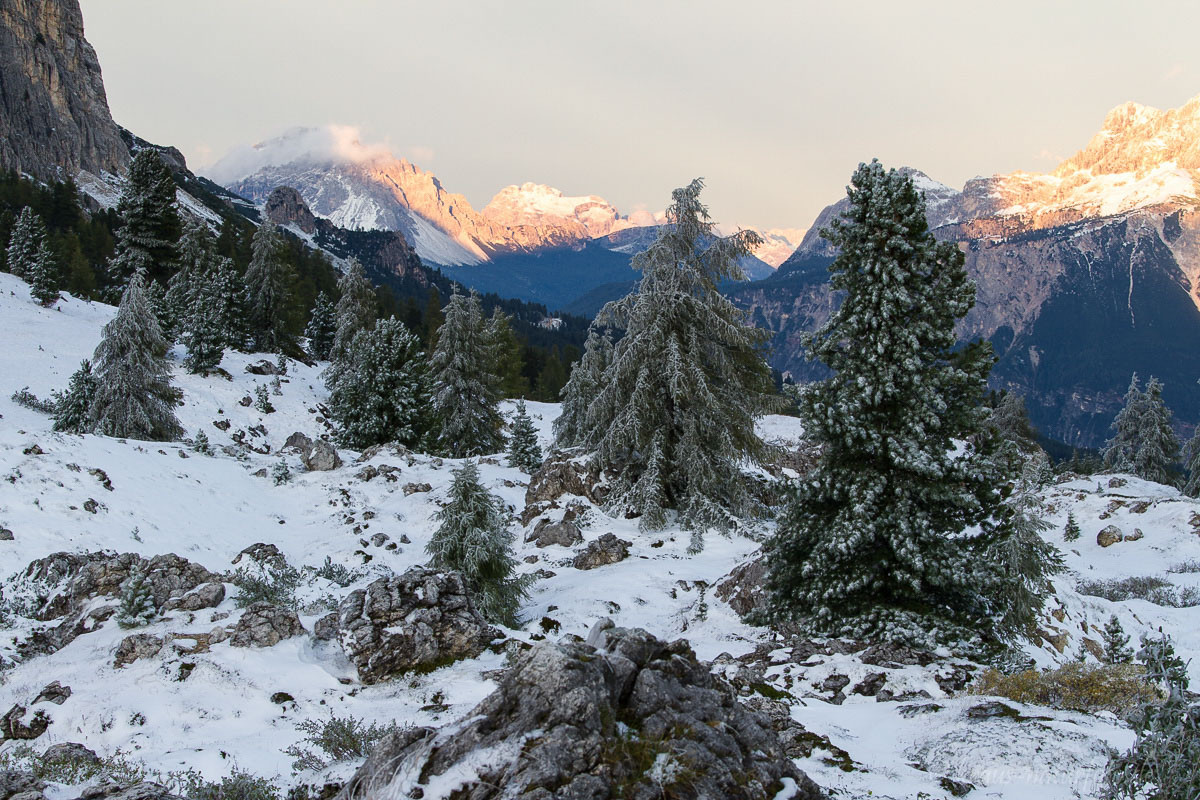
(773, 102)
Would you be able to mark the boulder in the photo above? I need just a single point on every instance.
(1109, 535)
(265, 625)
(208, 595)
(623, 714)
(298, 442)
(321, 458)
(69, 753)
(559, 475)
(744, 588)
(419, 620)
(414, 488)
(546, 533)
(18, 785)
(13, 724)
(1133, 537)
(119, 791)
(137, 646)
(262, 367)
(262, 556)
(607, 549)
(54, 692)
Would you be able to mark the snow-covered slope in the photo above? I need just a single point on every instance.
(166, 499)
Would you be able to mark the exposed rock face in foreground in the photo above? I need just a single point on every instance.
(54, 117)
(622, 715)
(416, 621)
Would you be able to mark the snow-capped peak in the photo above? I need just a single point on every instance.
(540, 206)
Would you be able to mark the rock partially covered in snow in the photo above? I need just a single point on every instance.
(546, 533)
(137, 646)
(576, 720)
(744, 588)
(265, 625)
(600, 552)
(322, 457)
(419, 620)
(561, 475)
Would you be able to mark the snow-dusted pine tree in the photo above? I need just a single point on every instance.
(1071, 532)
(674, 416)
(137, 603)
(156, 297)
(1191, 457)
(150, 226)
(379, 392)
(1023, 561)
(43, 276)
(281, 473)
(134, 397)
(230, 304)
(513, 382)
(1116, 643)
(203, 336)
(269, 281)
(201, 444)
(71, 407)
(1011, 421)
(196, 268)
(474, 539)
(321, 328)
(465, 386)
(26, 239)
(523, 450)
(884, 539)
(571, 428)
(355, 308)
(1157, 446)
(1122, 448)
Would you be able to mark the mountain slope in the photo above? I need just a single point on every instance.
(1083, 275)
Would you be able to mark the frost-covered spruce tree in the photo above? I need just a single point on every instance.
(355, 308)
(1191, 457)
(571, 428)
(474, 539)
(26, 239)
(523, 450)
(884, 539)
(268, 280)
(281, 473)
(1122, 448)
(43, 276)
(379, 391)
(156, 296)
(137, 603)
(134, 397)
(204, 337)
(1071, 532)
(1011, 421)
(674, 416)
(150, 226)
(71, 407)
(1161, 765)
(1157, 446)
(230, 304)
(201, 444)
(1024, 561)
(513, 382)
(195, 273)
(321, 328)
(466, 388)
(1116, 643)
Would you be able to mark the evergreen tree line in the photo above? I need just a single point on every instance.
(1144, 441)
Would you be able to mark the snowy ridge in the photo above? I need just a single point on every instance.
(207, 509)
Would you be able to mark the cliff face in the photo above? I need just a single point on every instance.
(54, 117)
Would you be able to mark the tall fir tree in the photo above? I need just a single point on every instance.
(379, 390)
(196, 265)
(675, 412)
(884, 539)
(43, 276)
(1191, 456)
(71, 408)
(1157, 446)
(1025, 561)
(1116, 643)
(156, 296)
(1121, 450)
(150, 225)
(474, 539)
(134, 397)
(204, 338)
(1071, 531)
(26, 239)
(465, 386)
(523, 450)
(268, 281)
(571, 428)
(230, 304)
(509, 363)
(355, 309)
(321, 328)
(1010, 418)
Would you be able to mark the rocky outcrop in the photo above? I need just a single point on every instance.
(54, 116)
(321, 457)
(602, 551)
(623, 714)
(265, 625)
(419, 620)
(562, 533)
(135, 647)
(744, 588)
(561, 474)
(285, 206)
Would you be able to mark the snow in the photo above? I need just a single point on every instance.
(208, 509)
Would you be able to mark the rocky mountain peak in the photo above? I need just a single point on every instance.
(54, 117)
(1138, 139)
(285, 206)
(544, 206)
